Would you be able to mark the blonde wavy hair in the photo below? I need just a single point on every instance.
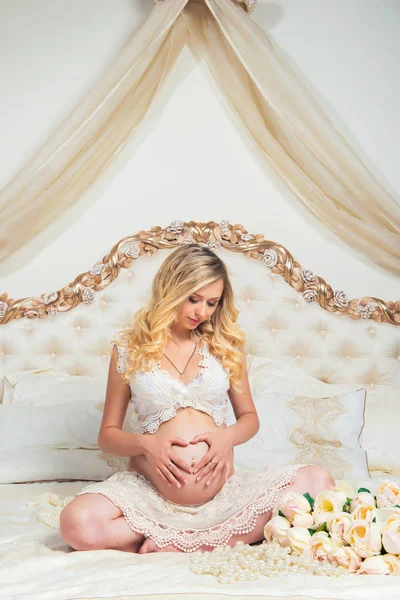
(183, 272)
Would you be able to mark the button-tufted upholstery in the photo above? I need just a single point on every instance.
(277, 320)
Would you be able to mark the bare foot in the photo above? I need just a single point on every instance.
(150, 546)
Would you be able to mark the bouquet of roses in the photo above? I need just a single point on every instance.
(358, 531)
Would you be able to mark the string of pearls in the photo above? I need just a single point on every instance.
(247, 563)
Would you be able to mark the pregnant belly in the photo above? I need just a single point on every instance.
(187, 423)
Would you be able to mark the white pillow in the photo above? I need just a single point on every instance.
(51, 464)
(300, 429)
(71, 425)
(270, 375)
(379, 436)
(42, 415)
(10, 380)
(48, 387)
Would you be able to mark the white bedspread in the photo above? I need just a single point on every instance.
(35, 563)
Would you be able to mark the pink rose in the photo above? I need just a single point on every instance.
(347, 557)
(337, 526)
(292, 505)
(277, 529)
(391, 535)
(320, 546)
(387, 494)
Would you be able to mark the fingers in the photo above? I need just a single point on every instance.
(207, 469)
(177, 460)
(163, 476)
(182, 464)
(202, 437)
(169, 476)
(174, 475)
(211, 474)
(206, 459)
(179, 441)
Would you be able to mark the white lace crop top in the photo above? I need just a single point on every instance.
(156, 395)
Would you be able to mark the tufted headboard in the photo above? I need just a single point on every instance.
(287, 312)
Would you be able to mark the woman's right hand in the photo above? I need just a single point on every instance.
(158, 451)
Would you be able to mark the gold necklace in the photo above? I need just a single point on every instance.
(175, 367)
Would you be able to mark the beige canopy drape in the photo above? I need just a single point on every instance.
(292, 132)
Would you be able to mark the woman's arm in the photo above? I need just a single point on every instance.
(121, 443)
(247, 421)
(111, 438)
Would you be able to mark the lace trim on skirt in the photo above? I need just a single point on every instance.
(233, 510)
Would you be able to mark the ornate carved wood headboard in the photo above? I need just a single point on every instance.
(286, 311)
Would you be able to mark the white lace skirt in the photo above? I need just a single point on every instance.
(233, 510)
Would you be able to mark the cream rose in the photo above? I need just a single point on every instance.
(277, 529)
(385, 564)
(391, 534)
(365, 538)
(337, 526)
(328, 503)
(347, 557)
(292, 505)
(306, 520)
(320, 546)
(364, 512)
(299, 539)
(387, 494)
(362, 498)
(382, 514)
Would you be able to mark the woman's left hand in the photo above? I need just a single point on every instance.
(218, 456)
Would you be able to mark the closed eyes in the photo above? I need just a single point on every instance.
(193, 301)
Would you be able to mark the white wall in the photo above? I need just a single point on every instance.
(194, 164)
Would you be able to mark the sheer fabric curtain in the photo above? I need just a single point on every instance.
(294, 134)
(291, 130)
(81, 148)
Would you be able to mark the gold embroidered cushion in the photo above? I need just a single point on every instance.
(303, 429)
(379, 437)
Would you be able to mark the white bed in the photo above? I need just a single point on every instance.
(312, 342)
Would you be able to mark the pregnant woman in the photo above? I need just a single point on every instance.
(180, 364)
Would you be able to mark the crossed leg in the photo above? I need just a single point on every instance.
(93, 522)
(312, 479)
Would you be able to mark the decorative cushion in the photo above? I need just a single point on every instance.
(300, 429)
(382, 408)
